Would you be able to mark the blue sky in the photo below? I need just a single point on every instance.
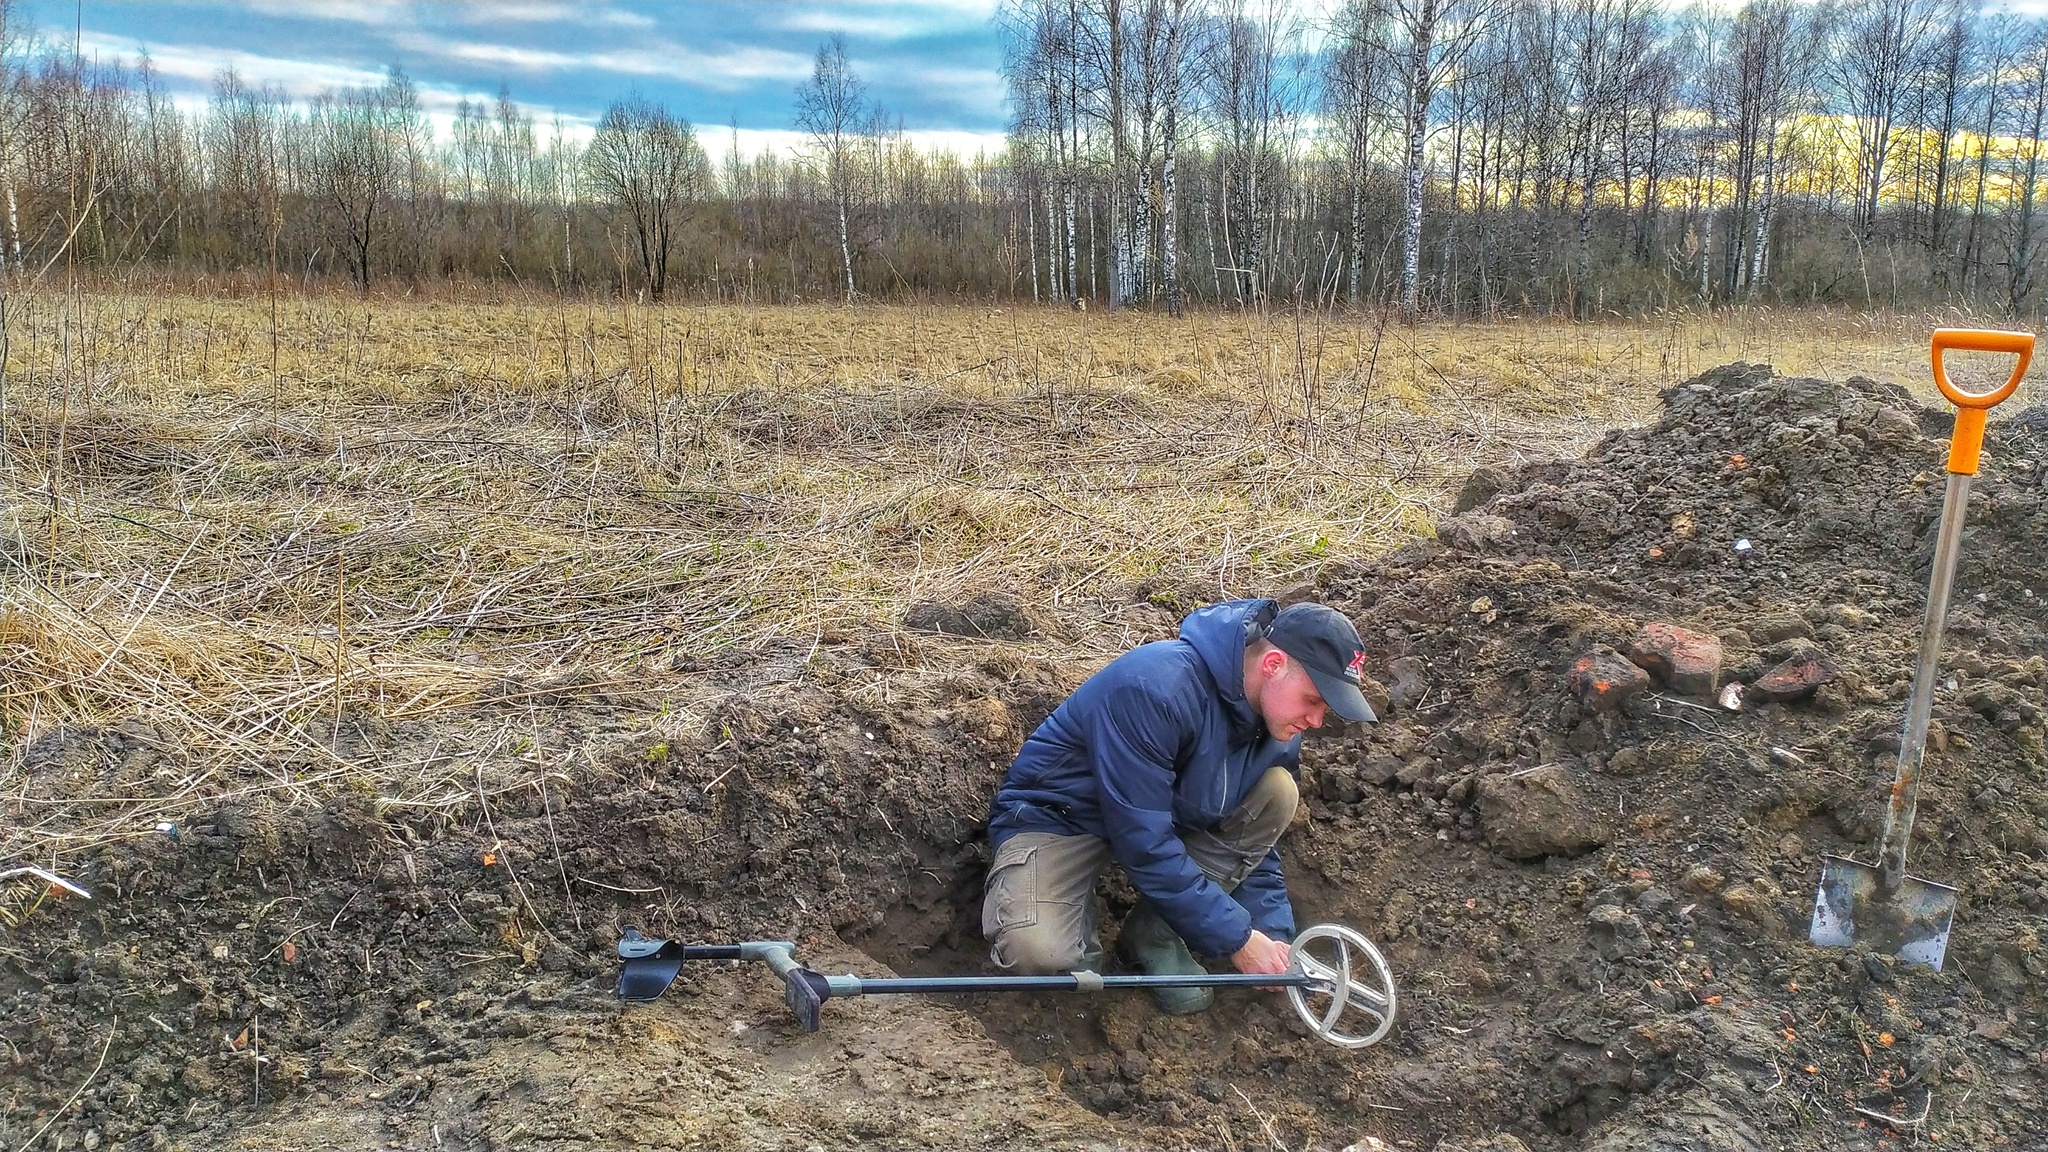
(933, 64)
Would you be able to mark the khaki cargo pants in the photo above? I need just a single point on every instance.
(1038, 909)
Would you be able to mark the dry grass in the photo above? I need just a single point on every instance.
(429, 505)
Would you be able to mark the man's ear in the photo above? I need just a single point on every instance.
(1272, 663)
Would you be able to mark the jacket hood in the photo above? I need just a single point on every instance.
(1218, 634)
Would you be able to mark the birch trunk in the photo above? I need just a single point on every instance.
(1419, 93)
(1119, 244)
(1763, 214)
(2020, 282)
(1169, 218)
(1256, 236)
(1972, 263)
(1031, 243)
(1093, 290)
(13, 228)
(1230, 241)
(1706, 251)
(1138, 240)
(1585, 260)
(1052, 252)
(1119, 153)
(845, 248)
(1357, 231)
(1209, 236)
(1074, 250)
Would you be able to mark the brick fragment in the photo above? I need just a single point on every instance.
(1795, 679)
(1601, 680)
(1687, 662)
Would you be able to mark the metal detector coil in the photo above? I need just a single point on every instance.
(1356, 978)
(1333, 972)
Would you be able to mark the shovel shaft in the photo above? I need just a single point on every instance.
(1898, 821)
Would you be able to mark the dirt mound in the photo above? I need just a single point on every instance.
(1595, 904)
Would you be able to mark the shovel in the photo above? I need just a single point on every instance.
(1882, 908)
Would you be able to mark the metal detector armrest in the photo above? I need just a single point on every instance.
(649, 965)
(804, 991)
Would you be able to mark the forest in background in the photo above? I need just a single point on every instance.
(1437, 157)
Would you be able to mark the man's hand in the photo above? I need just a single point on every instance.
(1261, 955)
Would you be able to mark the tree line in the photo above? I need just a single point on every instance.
(1437, 157)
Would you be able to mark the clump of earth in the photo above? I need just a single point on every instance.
(1593, 890)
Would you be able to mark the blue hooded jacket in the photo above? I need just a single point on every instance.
(1162, 740)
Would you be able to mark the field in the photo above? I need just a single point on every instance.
(373, 661)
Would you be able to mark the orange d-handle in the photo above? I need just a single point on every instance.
(1968, 442)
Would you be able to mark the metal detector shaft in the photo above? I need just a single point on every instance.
(781, 957)
(1084, 982)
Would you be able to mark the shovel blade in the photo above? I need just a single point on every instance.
(1853, 909)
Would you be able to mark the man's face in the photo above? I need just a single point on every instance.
(1289, 702)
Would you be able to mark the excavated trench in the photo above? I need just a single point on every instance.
(1595, 908)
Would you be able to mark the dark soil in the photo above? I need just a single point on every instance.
(1598, 920)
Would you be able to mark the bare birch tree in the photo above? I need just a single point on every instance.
(832, 107)
(1881, 45)
(1356, 104)
(2024, 175)
(1755, 95)
(1431, 39)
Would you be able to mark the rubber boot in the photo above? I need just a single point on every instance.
(1146, 942)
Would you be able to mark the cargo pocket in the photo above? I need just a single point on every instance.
(1010, 899)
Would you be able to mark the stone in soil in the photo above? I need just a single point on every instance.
(1477, 532)
(1538, 813)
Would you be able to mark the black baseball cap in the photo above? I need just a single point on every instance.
(1325, 644)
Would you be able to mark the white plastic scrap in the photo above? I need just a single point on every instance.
(47, 877)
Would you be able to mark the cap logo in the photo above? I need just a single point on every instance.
(1355, 670)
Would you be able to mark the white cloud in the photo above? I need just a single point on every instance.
(449, 64)
(302, 80)
(965, 144)
(546, 12)
(892, 21)
(412, 13)
(866, 25)
(298, 78)
(375, 13)
(527, 59)
(727, 70)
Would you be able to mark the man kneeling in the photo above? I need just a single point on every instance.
(1178, 761)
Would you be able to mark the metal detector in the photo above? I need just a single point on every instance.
(1323, 960)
